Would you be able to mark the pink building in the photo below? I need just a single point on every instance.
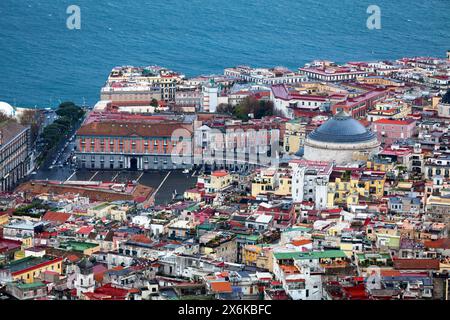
(389, 131)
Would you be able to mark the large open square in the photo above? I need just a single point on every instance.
(165, 183)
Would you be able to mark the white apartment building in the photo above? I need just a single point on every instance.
(310, 182)
(210, 98)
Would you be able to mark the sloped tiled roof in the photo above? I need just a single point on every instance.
(129, 129)
(416, 264)
(60, 217)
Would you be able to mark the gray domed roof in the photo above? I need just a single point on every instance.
(342, 128)
(86, 265)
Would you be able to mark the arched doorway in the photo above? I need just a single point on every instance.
(133, 164)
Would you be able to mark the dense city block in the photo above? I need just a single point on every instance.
(328, 182)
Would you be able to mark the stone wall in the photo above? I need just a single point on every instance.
(340, 153)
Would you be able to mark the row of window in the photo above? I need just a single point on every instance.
(155, 142)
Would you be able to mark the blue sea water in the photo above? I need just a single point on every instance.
(42, 62)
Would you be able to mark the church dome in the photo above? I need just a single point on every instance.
(342, 128)
(7, 109)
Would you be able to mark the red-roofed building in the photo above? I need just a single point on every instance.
(287, 101)
(357, 292)
(358, 106)
(390, 131)
(107, 292)
(416, 264)
(220, 287)
(56, 217)
(85, 231)
(137, 142)
(443, 244)
(9, 247)
(140, 238)
(283, 215)
(220, 173)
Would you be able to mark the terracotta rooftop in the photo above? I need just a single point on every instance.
(221, 287)
(438, 244)
(59, 217)
(221, 173)
(138, 193)
(416, 264)
(128, 129)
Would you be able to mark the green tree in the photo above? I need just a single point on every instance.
(33, 119)
(154, 103)
(70, 111)
(446, 97)
(251, 105)
(64, 122)
(225, 108)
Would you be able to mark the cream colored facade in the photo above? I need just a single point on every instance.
(285, 185)
(272, 181)
(380, 81)
(217, 181)
(341, 153)
(264, 182)
(111, 211)
(294, 136)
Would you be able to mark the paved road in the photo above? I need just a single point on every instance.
(63, 150)
(167, 183)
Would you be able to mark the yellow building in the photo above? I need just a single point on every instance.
(444, 266)
(377, 80)
(380, 164)
(217, 181)
(258, 256)
(294, 136)
(319, 88)
(119, 213)
(347, 187)
(220, 180)
(389, 109)
(193, 195)
(284, 185)
(110, 211)
(264, 182)
(435, 101)
(29, 268)
(4, 218)
(347, 247)
(277, 181)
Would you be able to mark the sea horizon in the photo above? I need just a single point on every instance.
(43, 62)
